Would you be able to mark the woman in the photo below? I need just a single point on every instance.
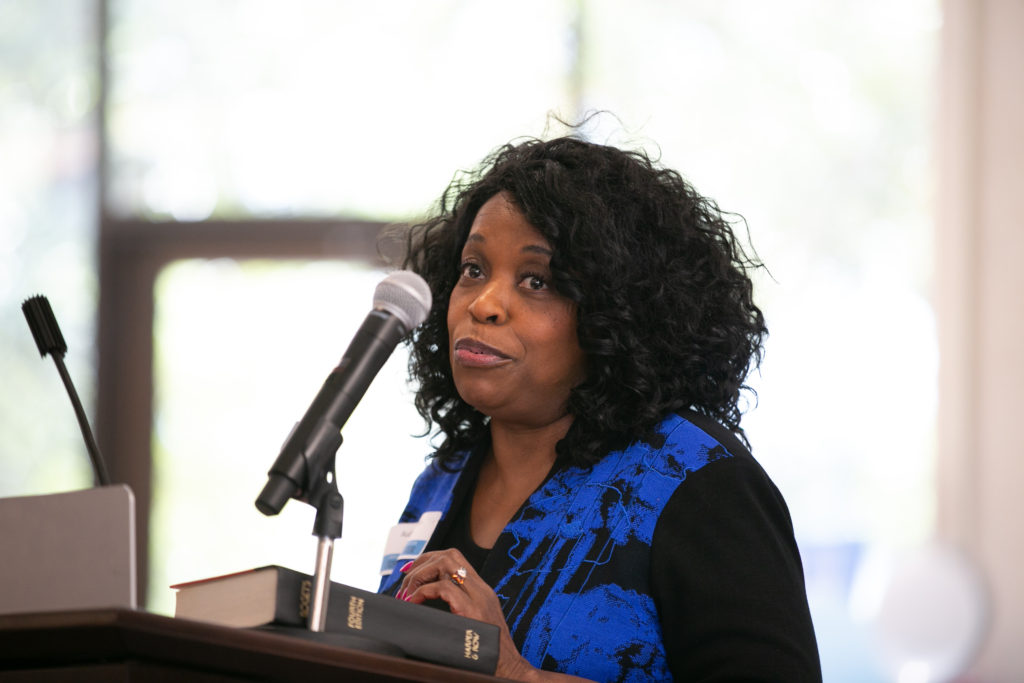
(591, 331)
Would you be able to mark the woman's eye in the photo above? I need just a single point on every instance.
(470, 270)
(535, 282)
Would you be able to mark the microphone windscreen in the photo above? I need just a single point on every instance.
(405, 295)
(44, 326)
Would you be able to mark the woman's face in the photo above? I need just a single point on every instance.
(512, 339)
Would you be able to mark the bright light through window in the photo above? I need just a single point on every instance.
(230, 108)
(242, 349)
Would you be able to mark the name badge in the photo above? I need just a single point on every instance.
(407, 540)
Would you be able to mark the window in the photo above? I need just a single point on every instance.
(252, 152)
(48, 138)
(242, 349)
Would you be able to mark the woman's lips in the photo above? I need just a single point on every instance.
(476, 354)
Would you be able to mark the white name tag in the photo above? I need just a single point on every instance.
(407, 540)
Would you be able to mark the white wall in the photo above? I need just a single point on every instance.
(980, 300)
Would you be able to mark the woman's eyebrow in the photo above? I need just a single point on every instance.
(531, 248)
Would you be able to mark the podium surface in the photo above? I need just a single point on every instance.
(129, 645)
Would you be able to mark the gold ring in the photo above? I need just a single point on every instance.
(458, 577)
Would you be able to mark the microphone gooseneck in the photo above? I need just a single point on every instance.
(49, 340)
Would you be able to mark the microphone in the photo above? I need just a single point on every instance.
(400, 303)
(49, 340)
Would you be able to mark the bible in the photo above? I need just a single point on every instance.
(278, 596)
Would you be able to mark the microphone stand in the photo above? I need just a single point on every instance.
(330, 511)
(310, 453)
(311, 478)
(317, 458)
(320, 490)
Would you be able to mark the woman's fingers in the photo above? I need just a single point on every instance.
(436, 567)
(445, 575)
(459, 601)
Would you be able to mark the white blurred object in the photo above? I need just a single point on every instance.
(926, 610)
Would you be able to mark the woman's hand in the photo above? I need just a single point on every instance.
(446, 575)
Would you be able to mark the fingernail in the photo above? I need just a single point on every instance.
(405, 567)
(400, 594)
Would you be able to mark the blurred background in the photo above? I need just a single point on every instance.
(199, 186)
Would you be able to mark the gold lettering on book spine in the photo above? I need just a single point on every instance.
(355, 613)
(472, 646)
(305, 592)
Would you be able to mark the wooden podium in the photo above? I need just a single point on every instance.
(131, 646)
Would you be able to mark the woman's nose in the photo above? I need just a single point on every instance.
(490, 305)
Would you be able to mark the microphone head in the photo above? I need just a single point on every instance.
(44, 326)
(405, 295)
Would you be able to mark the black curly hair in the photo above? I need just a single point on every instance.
(665, 314)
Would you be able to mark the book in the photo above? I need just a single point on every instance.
(279, 596)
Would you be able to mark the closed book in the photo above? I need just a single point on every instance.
(274, 595)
